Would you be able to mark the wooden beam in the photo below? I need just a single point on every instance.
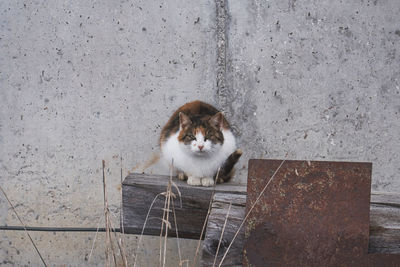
(139, 190)
(384, 230)
(215, 224)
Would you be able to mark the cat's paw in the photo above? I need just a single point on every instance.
(182, 176)
(207, 181)
(194, 180)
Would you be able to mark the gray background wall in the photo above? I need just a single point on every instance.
(84, 81)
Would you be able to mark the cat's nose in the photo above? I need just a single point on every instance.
(201, 147)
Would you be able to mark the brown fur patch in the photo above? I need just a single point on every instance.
(187, 135)
(200, 114)
(201, 130)
(227, 170)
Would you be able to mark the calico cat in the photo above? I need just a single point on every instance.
(198, 139)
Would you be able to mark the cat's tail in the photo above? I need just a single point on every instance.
(227, 171)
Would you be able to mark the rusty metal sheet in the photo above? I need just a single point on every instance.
(312, 214)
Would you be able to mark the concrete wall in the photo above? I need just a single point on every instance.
(318, 80)
(90, 80)
(84, 81)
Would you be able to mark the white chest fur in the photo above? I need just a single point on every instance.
(193, 165)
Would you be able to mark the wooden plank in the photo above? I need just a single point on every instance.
(215, 225)
(138, 179)
(384, 224)
(384, 227)
(139, 190)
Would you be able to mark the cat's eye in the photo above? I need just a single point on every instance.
(190, 137)
(207, 136)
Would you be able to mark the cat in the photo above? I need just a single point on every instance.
(198, 141)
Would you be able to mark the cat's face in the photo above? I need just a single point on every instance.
(201, 137)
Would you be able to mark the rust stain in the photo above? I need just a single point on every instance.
(134, 168)
(153, 159)
(312, 214)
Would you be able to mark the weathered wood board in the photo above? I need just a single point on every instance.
(139, 190)
(215, 224)
(384, 230)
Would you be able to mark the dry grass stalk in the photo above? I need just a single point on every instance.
(118, 241)
(16, 214)
(205, 220)
(94, 239)
(109, 229)
(123, 251)
(222, 233)
(105, 214)
(177, 234)
(109, 242)
(122, 239)
(165, 219)
(144, 226)
(184, 261)
(248, 213)
(162, 228)
(167, 211)
(177, 190)
(176, 224)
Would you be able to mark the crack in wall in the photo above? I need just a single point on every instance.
(221, 21)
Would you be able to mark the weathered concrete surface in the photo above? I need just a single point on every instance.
(73, 249)
(317, 80)
(92, 80)
(84, 81)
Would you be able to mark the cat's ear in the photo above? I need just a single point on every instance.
(217, 120)
(184, 120)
